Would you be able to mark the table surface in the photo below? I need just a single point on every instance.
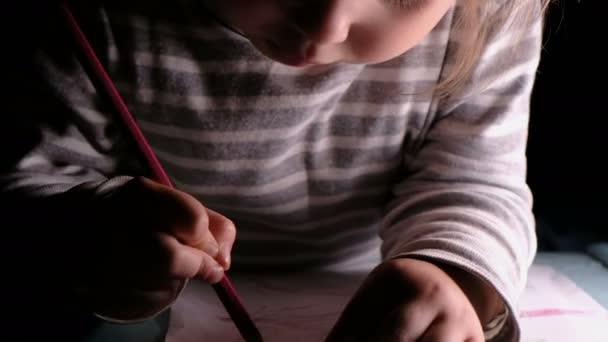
(589, 273)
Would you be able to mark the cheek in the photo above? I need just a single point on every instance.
(397, 34)
(381, 45)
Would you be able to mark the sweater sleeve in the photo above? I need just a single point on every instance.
(61, 151)
(465, 200)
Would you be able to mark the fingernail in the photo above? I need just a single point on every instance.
(217, 273)
(226, 258)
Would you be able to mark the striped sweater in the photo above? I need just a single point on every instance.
(315, 165)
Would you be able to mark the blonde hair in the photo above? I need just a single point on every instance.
(477, 21)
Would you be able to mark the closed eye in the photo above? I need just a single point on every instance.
(408, 4)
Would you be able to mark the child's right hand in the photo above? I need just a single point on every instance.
(150, 239)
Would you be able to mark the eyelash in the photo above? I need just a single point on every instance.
(407, 4)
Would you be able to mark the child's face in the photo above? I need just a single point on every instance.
(303, 32)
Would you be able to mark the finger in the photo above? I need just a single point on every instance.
(191, 226)
(408, 322)
(128, 262)
(188, 262)
(224, 232)
(185, 217)
(207, 243)
(179, 261)
(443, 330)
(209, 270)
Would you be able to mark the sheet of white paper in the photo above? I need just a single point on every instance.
(296, 308)
(554, 309)
(303, 308)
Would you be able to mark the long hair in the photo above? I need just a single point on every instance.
(477, 21)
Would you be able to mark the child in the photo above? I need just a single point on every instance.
(303, 127)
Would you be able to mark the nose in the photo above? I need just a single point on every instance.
(325, 21)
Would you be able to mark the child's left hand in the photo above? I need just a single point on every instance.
(407, 299)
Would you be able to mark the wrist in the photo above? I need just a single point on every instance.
(486, 301)
(128, 305)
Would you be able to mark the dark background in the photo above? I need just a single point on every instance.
(568, 136)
